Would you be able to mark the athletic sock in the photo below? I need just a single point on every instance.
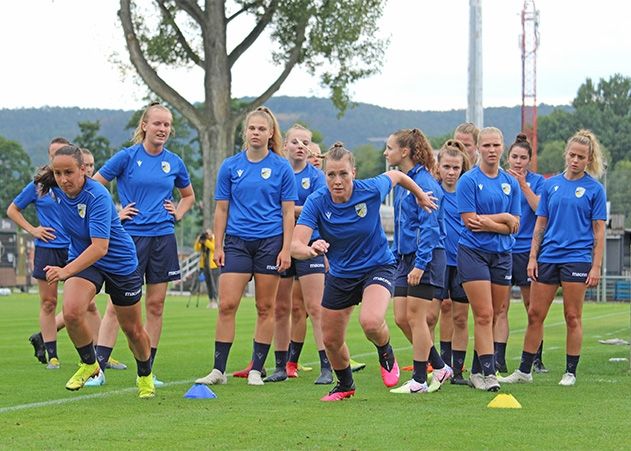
(87, 354)
(386, 356)
(500, 352)
(458, 360)
(571, 362)
(487, 362)
(281, 359)
(345, 377)
(143, 368)
(222, 349)
(420, 372)
(260, 354)
(446, 351)
(295, 348)
(435, 359)
(324, 360)
(539, 355)
(475, 364)
(526, 362)
(154, 351)
(51, 349)
(103, 355)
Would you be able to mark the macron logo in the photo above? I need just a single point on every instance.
(579, 274)
(139, 163)
(174, 273)
(272, 267)
(381, 279)
(239, 172)
(328, 215)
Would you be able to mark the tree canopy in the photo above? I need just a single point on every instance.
(15, 171)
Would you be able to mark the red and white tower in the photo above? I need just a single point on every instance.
(529, 42)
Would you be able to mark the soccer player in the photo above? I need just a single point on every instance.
(567, 249)
(467, 133)
(362, 267)
(146, 175)
(100, 252)
(51, 248)
(315, 155)
(530, 184)
(254, 220)
(420, 257)
(452, 163)
(489, 205)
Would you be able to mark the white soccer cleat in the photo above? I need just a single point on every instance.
(477, 381)
(411, 387)
(439, 377)
(516, 377)
(96, 381)
(568, 380)
(254, 378)
(215, 377)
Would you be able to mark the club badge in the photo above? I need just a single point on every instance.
(166, 167)
(361, 209)
(81, 210)
(266, 173)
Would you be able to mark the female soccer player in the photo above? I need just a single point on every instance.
(100, 252)
(452, 163)
(310, 273)
(51, 248)
(362, 267)
(315, 155)
(530, 184)
(255, 194)
(567, 249)
(146, 175)
(489, 205)
(420, 259)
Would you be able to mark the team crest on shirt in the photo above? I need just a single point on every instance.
(81, 210)
(480, 186)
(266, 173)
(506, 188)
(166, 167)
(361, 209)
(305, 182)
(579, 192)
(239, 172)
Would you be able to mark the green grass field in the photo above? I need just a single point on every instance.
(37, 412)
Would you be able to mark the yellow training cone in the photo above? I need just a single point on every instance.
(504, 401)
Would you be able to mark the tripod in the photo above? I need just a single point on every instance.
(196, 286)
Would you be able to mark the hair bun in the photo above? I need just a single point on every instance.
(521, 137)
(337, 145)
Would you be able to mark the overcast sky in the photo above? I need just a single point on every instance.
(62, 53)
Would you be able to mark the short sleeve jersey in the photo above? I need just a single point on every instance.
(357, 242)
(570, 206)
(92, 214)
(309, 180)
(523, 239)
(453, 224)
(478, 193)
(255, 192)
(47, 214)
(148, 180)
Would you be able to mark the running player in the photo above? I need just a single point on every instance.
(146, 175)
(452, 163)
(255, 194)
(420, 259)
(51, 248)
(489, 205)
(362, 267)
(100, 252)
(567, 249)
(531, 184)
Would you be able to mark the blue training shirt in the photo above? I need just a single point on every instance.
(47, 214)
(478, 193)
(148, 180)
(454, 226)
(309, 180)
(255, 191)
(416, 230)
(92, 214)
(523, 239)
(352, 229)
(570, 206)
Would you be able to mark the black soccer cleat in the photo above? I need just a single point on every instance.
(38, 344)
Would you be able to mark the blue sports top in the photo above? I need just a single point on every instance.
(148, 180)
(309, 180)
(255, 192)
(523, 239)
(415, 230)
(47, 214)
(92, 214)
(478, 193)
(453, 224)
(570, 206)
(352, 229)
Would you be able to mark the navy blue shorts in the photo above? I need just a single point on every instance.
(341, 293)
(124, 290)
(48, 256)
(555, 273)
(301, 268)
(251, 256)
(520, 269)
(474, 264)
(453, 287)
(431, 282)
(157, 258)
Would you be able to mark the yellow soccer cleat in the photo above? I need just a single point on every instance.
(85, 372)
(146, 388)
